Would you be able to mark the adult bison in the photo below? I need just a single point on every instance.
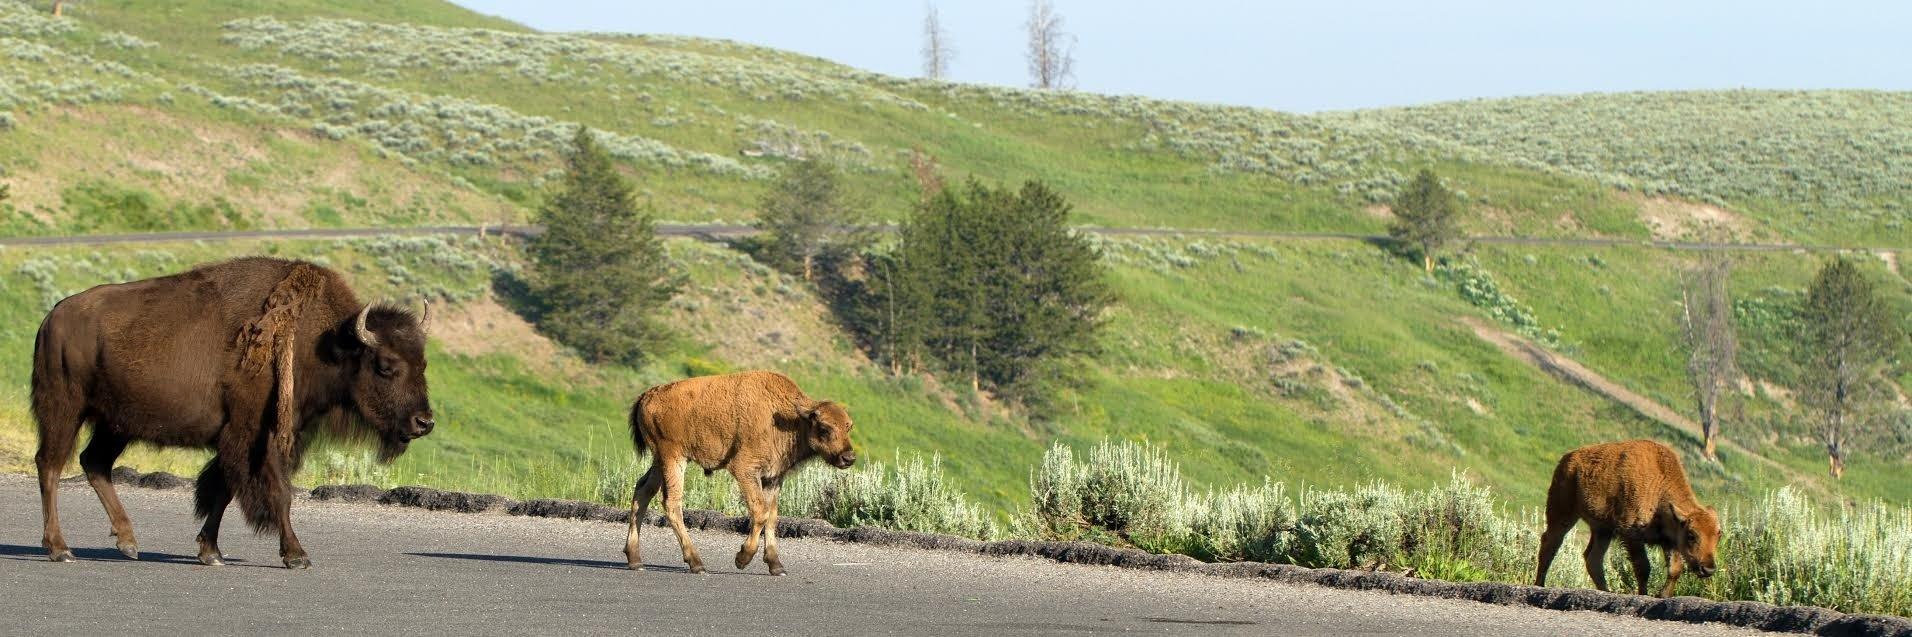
(1635, 490)
(758, 425)
(207, 358)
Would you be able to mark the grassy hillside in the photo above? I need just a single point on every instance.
(467, 102)
(1327, 363)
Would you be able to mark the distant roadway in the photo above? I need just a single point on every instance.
(721, 231)
(388, 570)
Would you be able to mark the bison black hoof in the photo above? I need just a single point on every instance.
(130, 550)
(61, 555)
(211, 560)
(298, 563)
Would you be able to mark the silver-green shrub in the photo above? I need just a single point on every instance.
(911, 495)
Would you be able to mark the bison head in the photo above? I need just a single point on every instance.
(1696, 539)
(828, 429)
(386, 375)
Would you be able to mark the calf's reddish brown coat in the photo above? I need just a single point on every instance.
(1637, 491)
(758, 425)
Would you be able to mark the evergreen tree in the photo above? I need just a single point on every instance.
(599, 269)
(805, 215)
(992, 285)
(1848, 335)
(1426, 217)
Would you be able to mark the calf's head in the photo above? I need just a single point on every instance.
(827, 428)
(386, 375)
(1696, 539)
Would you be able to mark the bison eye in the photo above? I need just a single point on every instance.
(386, 368)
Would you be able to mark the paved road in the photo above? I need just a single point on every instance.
(406, 571)
(719, 231)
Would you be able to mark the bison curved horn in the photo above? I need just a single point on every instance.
(425, 323)
(365, 335)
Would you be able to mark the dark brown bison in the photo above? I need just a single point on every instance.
(758, 425)
(1635, 490)
(206, 358)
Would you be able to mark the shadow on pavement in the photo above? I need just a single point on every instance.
(558, 561)
(22, 553)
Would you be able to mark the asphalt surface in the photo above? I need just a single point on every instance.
(406, 571)
(722, 231)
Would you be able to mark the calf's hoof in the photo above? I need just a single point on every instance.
(62, 555)
(776, 570)
(298, 563)
(743, 560)
(129, 549)
(697, 569)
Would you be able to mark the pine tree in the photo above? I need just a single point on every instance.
(1426, 217)
(1848, 334)
(805, 215)
(992, 284)
(599, 269)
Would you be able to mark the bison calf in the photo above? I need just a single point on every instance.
(1635, 490)
(758, 425)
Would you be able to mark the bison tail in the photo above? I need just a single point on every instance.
(637, 422)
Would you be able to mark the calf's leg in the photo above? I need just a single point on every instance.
(97, 461)
(1550, 545)
(1674, 566)
(1642, 569)
(640, 507)
(1596, 557)
(772, 488)
(674, 510)
(750, 487)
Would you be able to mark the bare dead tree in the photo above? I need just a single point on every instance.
(937, 51)
(1051, 50)
(1712, 346)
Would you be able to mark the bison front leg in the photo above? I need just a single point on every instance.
(1642, 569)
(674, 510)
(762, 511)
(211, 497)
(289, 550)
(772, 488)
(1674, 566)
(1596, 557)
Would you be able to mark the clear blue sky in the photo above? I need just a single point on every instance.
(1320, 55)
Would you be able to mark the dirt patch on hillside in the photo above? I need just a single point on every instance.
(1891, 260)
(755, 317)
(1676, 220)
(483, 327)
(1380, 211)
(1573, 372)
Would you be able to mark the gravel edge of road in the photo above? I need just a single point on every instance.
(1755, 615)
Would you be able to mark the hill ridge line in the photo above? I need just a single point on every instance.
(719, 231)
